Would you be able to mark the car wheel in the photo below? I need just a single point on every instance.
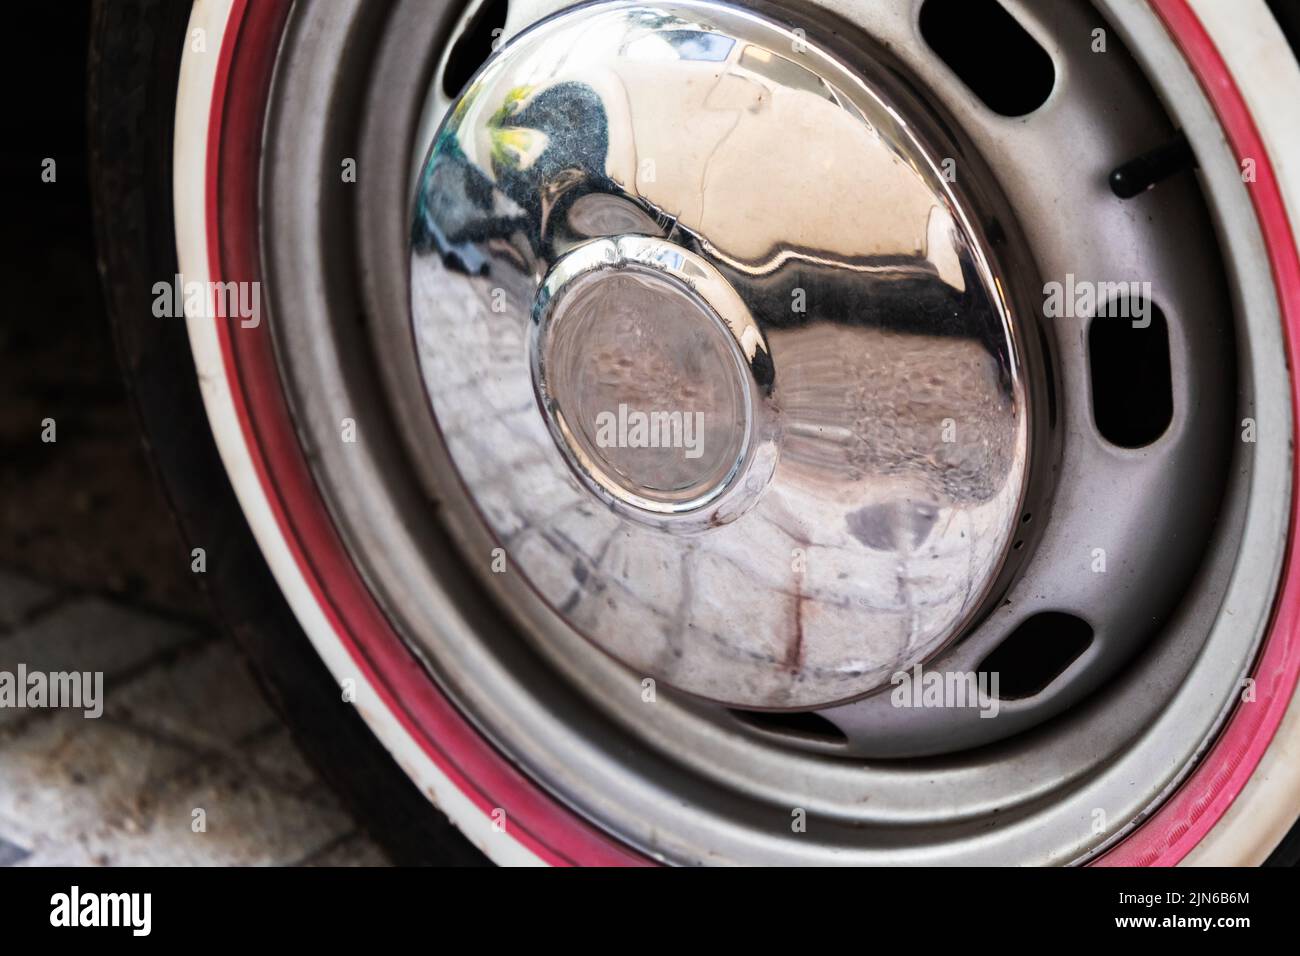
(991, 382)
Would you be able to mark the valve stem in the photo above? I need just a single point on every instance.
(1140, 174)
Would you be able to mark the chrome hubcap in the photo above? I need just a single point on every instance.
(763, 353)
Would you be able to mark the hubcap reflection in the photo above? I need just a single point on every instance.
(731, 366)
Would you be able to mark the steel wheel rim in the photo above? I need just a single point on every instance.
(814, 810)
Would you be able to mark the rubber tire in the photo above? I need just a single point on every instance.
(134, 62)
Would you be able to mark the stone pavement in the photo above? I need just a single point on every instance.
(185, 736)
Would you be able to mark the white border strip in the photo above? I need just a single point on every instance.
(189, 184)
(1268, 76)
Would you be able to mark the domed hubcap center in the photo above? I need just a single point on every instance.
(644, 387)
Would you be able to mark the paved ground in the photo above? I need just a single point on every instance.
(94, 576)
(184, 729)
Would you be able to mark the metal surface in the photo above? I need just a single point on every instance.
(776, 359)
(622, 325)
(681, 780)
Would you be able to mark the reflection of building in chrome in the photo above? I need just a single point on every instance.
(886, 379)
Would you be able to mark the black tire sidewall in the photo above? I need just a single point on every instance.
(134, 62)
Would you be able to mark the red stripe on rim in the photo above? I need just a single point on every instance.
(1180, 823)
(535, 819)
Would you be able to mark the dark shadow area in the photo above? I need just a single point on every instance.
(1036, 653)
(1132, 385)
(992, 53)
(83, 510)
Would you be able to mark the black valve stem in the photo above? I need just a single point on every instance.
(1140, 174)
